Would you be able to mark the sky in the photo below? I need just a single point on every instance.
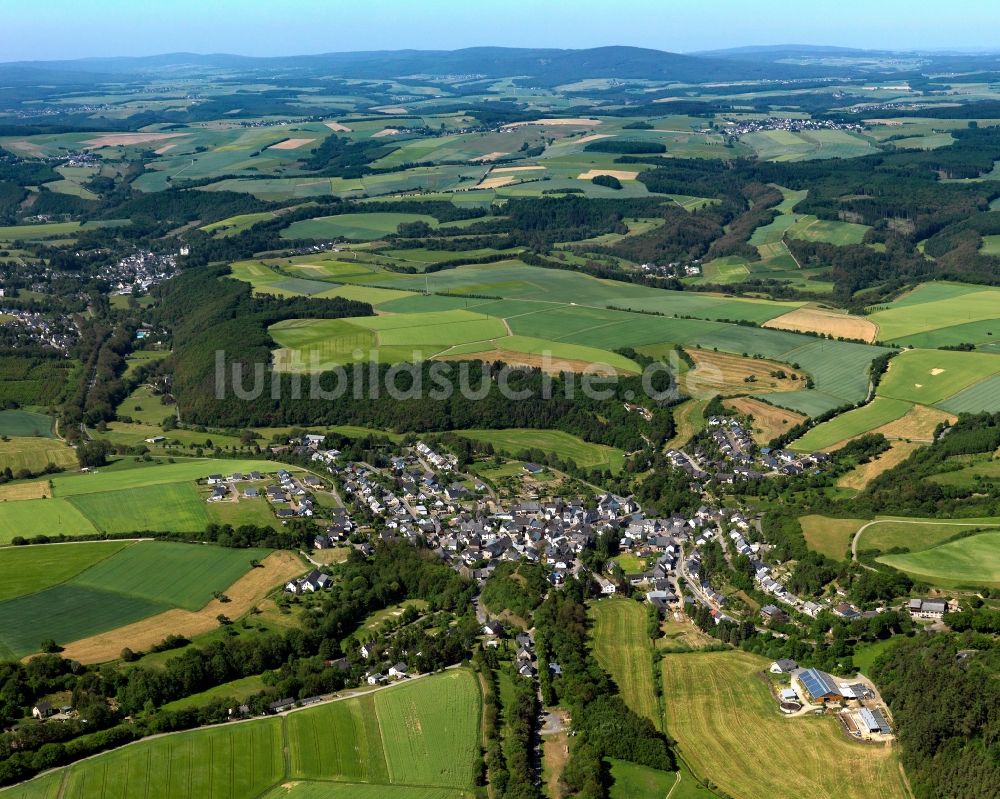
(63, 29)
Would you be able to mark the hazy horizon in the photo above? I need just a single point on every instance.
(66, 30)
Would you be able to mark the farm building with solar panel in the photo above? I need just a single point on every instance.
(819, 687)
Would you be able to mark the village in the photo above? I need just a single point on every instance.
(419, 495)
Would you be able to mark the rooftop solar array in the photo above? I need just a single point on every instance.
(817, 683)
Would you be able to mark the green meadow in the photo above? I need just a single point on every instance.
(970, 561)
(934, 314)
(929, 376)
(554, 442)
(880, 411)
(25, 570)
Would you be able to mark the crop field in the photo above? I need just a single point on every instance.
(936, 314)
(545, 308)
(622, 647)
(859, 421)
(25, 423)
(136, 582)
(239, 760)
(34, 517)
(25, 570)
(829, 536)
(783, 145)
(157, 508)
(977, 398)
(974, 560)
(930, 376)
(182, 575)
(358, 227)
(563, 445)
(728, 727)
(334, 790)
(34, 454)
(838, 325)
(155, 473)
(420, 733)
(243, 595)
(725, 374)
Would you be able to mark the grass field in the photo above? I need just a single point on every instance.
(974, 560)
(930, 376)
(137, 582)
(237, 689)
(829, 536)
(728, 727)
(917, 534)
(926, 316)
(880, 411)
(126, 497)
(639, 782)
(25, 570)
(563, 445)
(34, 517)
(34, 454)
(622, 647)
(558, 311)
(356, 227)
(25, 423)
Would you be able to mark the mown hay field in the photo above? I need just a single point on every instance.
(730, 730)
(622, 647)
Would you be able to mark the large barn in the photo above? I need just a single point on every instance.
(819, 686)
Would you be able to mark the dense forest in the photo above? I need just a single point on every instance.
(944, 692)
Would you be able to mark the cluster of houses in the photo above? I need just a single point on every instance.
(291, 495)
(525, 657)
(135, 273)
(742, 127)
(35, 328)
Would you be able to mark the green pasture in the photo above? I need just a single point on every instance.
(810, 228)
(880, 411)
(140, 475)
(783, 145)
(639, 782)
(563, 445)
(917, 535)
(357, 227)
(930, 376)
(25, 423)
(622, 647)
(237, 690)
(974, 560)
(933, 307)
(33, 517)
